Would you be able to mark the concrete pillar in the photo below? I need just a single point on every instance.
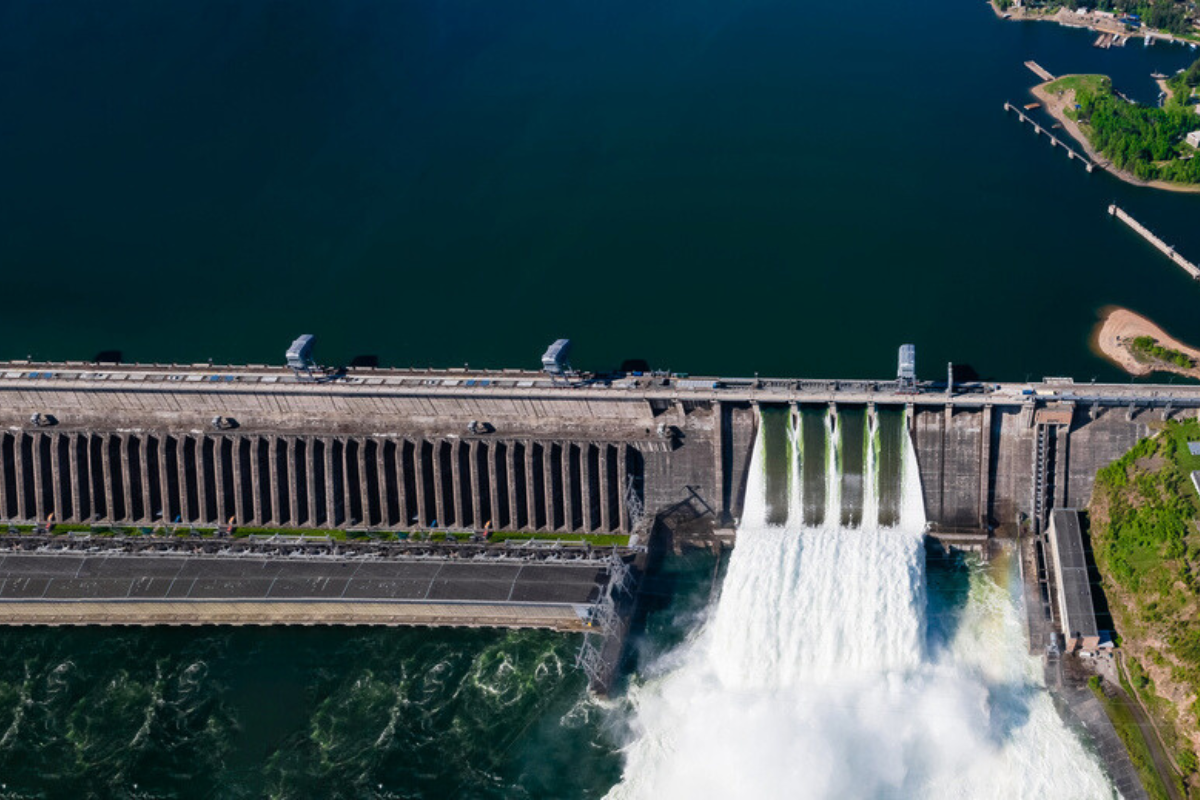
(219, 444)
(605, 491)
(385, 496)
(60, 507)
(347, 494)
(457, 476)
(401, 489)
(185, 510)
(254, 513)
(493, 462)
(164, 486)
(310, 473)
(73, 466)
(439, 496)
(123, 468)
(568, 505)
(39, 505)
(273, 491)
(514, 516)
(201, 481)
(330, 495)
(985, 464)
(108, 472)
(240, 512)
(364, 487)
(530, 493)
(585, 490)
(144, 469)
(21, 474)
(623, 483)
(419, 468)
(476, 502)
(549, 479)
(719, 494)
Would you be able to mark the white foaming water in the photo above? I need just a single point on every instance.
(811, 677)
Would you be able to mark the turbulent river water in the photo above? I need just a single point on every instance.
(830, 669)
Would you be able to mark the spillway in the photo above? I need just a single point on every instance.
(831, 666)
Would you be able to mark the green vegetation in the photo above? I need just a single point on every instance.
(1142, 140)
(595, 539)
(1147, 547)
(1146, 349)
(1075, 83)
(1135, 742)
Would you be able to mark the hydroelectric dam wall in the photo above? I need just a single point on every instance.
(510, 450)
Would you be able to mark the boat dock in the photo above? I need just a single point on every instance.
(1187, 266)
(1039, 70)
(1088, 164)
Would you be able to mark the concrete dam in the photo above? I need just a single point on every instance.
(185, 491)
(220, 447)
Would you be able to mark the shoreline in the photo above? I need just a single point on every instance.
(1071, 19)
(1055, 105)
(1117, 326)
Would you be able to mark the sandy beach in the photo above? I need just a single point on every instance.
(1056, 105)
(1118, 327)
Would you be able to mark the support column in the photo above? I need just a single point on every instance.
(419, 468)
(622, 483)
(985, 465)
(19, 465)
(107, 469)
(347, 491)
(235, 460)
(548, 481)
(585, 489)
(185, 509)
(73, 467)
(405, 520)
(256, 504)
(530, 493)
(514, 515)
(219, 443)
(39, 504)
(605, 491)
(364, 487)
(56, 440)
(144, 470)
(164, 485)
(290, 479)
(310, 474)
(274, 491)
(722, 506)
(330, 495)
(568, 504)
(476, 502)
(385, 496)
(201, 480)
(493, 485)
(126, 477)
(439, 497)
(456, 488)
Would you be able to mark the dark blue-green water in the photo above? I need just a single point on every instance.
(715, 186)
(733, 187)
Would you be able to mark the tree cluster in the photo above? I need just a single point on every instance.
(1140, 139)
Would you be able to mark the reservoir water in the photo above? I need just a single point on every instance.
(730, 187)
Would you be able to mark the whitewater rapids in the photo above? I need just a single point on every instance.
(814, 675)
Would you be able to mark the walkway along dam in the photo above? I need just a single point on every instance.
(208, 450)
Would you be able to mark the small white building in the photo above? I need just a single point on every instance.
(1193, 139)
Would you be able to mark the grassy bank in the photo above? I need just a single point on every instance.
(1135, 742)
(1144, 535)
